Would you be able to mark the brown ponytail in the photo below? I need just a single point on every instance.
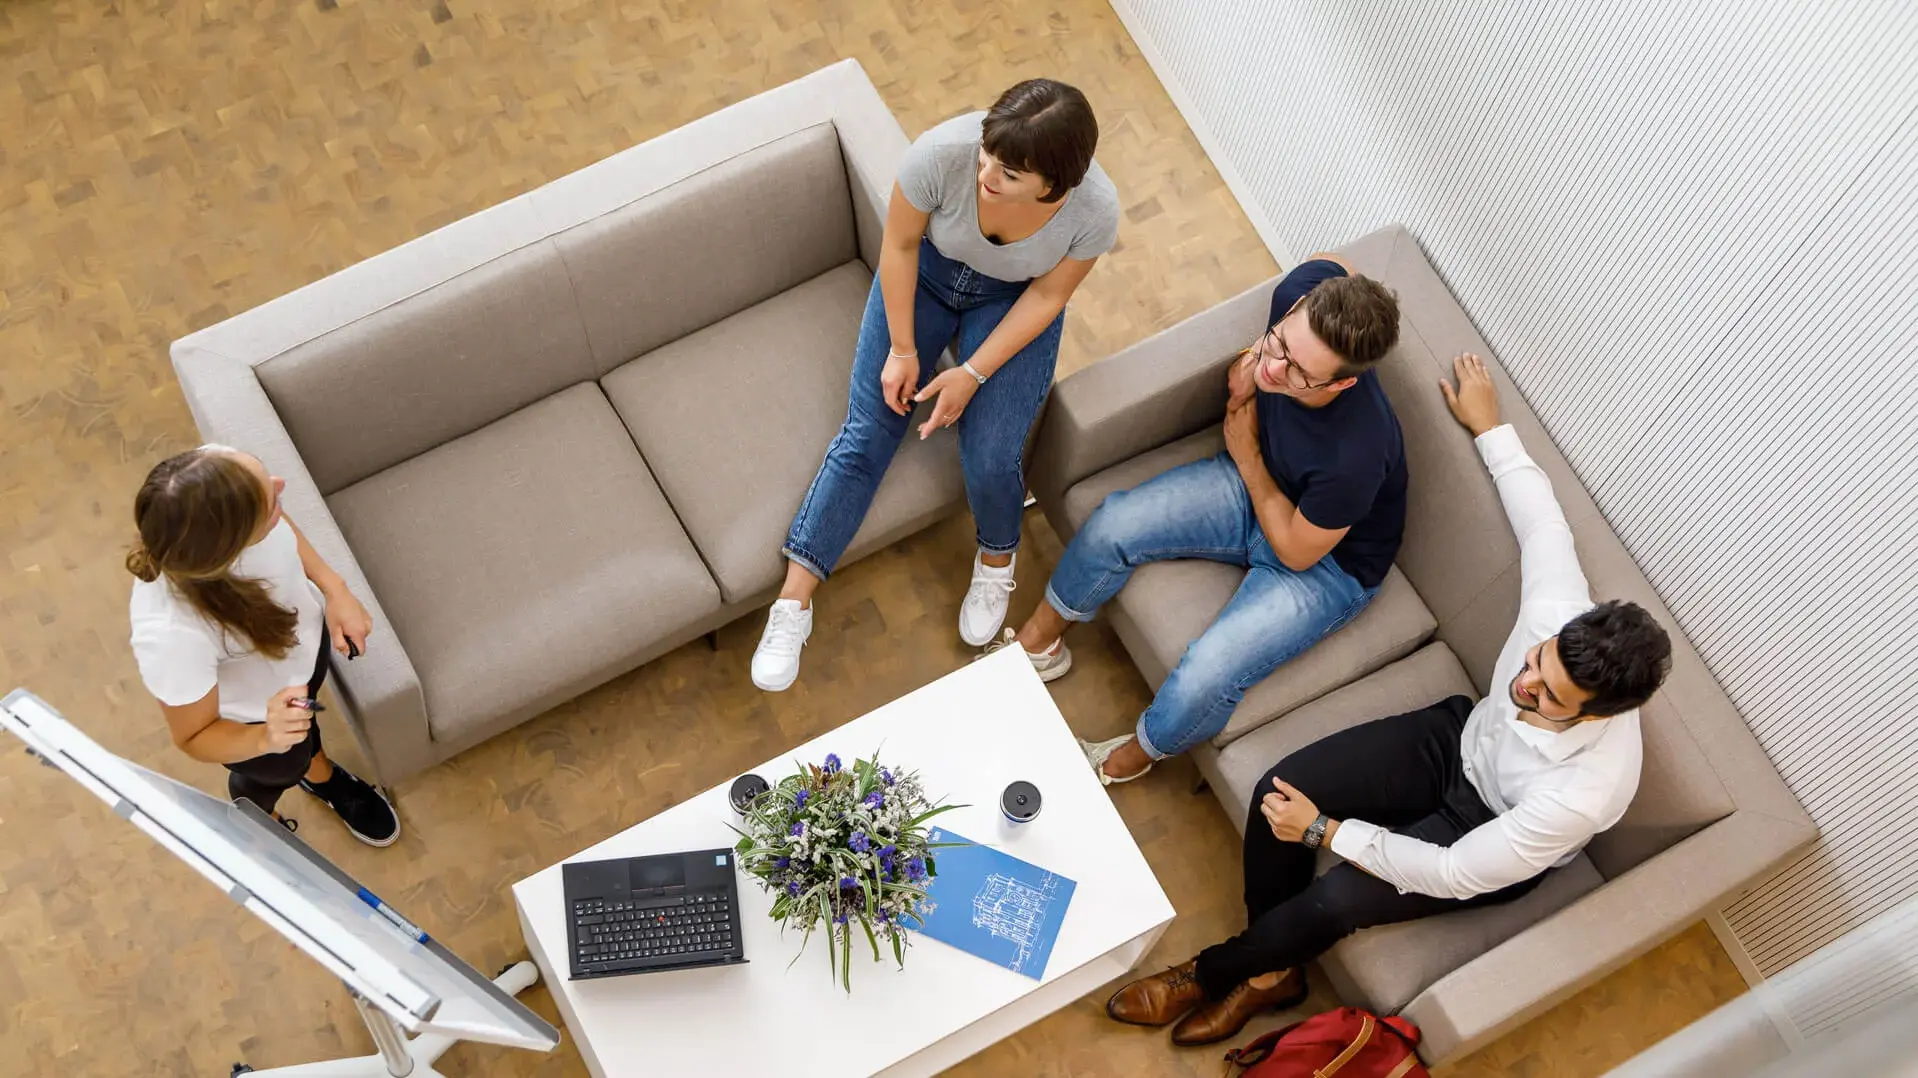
(196, 512)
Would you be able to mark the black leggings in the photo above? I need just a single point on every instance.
(264, 778)
(1404, 773)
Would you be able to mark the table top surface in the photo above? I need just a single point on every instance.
(968, 735)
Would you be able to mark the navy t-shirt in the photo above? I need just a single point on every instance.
(1342, 464)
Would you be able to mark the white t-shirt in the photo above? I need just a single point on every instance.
(182, 654)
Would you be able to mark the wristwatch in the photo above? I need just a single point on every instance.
(968, 368)
(1315, 834)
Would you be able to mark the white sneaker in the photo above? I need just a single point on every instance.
(1049, 665)
(776, 660)
(984, 610)
(1097, 753)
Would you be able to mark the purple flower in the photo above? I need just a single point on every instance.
(839, 920)
(799, 828)
(782, 862)
(799, 800)
(874, 800)
(832, 763)
(847, 883)
(885, 776)
(859, 842)
(792, 887)
(916, 869)
(884, 917)
(887, 851)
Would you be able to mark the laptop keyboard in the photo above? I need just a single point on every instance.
(616, 933)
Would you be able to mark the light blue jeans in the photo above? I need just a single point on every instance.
(953, 299)
(1202, 510)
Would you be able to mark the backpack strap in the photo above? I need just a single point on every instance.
(1253, 1052)
(1367, 1025)
(1404, 1028)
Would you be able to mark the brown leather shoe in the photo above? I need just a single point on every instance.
(1222, 1019)
(1158, 999)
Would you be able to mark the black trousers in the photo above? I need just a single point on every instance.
(264, 778)
(1403, 773)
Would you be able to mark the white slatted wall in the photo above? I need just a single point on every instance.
(1690, 231)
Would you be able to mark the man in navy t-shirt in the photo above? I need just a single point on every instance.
(1308, 497)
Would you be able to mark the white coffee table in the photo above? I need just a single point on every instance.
(968, 734)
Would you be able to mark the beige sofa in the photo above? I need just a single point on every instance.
(1711, 815)
(564, 435)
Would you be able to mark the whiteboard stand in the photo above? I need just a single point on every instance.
(416, 997)
(398, 1057)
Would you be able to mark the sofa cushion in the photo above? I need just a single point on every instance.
(526, 562)
(436, 365)
(1165, 606)
(1425, 677)
(1384, 968)
(735, 419)
(711, 245)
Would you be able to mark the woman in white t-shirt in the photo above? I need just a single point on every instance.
(996, 218)
(232, 615)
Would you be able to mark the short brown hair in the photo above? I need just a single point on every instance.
(196, 513)
(1356, 317)
(1045, 127)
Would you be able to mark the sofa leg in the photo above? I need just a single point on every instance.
(1201, 786)
(712, 640)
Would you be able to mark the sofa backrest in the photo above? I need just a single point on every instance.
(562, 309)
(1460, 554)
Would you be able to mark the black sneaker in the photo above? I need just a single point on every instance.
(360, 805)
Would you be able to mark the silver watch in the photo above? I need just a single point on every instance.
(1315, 834)
(968, 368)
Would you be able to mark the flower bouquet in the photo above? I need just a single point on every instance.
(837, 845)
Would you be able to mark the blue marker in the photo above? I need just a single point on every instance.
(391, 915)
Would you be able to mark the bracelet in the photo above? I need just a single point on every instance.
(968, 368)
(891, 354)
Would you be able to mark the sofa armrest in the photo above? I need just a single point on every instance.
(379, 691)
(1161, 389)
(1627, 916)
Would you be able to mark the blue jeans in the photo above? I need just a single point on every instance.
(1202, 510)
(952, 300)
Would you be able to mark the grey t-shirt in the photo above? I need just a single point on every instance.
(940, 176)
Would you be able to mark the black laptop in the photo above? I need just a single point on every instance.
(641, 914)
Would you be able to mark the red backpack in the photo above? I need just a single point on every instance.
(1348, 1043)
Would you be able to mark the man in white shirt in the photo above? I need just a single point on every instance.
(1453, 806)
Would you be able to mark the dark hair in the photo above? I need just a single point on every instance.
(1356, 317)
(1616, 652)
(196, 512)
(1045, 127)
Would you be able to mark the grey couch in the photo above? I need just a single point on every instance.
(564, 435)
(1711, 816)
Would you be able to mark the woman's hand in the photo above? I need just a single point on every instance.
(286, 725)
(347, 620)
(897, 381)
(1475, 402)
(950, 393)
(1288, 811)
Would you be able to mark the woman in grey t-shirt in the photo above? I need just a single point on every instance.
(996, 218)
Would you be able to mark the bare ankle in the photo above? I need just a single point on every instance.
(1264, 981)
(1127, 760)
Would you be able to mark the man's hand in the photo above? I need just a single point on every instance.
(347, 619)
(1475, 403)
(949, 393)
(286, 725)
(1242, 433)
(1288, 811)
(1239, 386)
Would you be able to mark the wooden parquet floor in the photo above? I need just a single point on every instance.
(165, 164)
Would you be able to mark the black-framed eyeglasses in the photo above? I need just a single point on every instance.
(1294, 376)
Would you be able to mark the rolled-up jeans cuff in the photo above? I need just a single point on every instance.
(803, 561)
(1066, 612)
(988, 548)
(1145, 742)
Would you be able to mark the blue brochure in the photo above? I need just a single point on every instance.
(991, 904)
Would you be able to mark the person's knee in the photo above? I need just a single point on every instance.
(1110, 526)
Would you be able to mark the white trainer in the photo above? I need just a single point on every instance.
(1097, 753)
(1049, 665)
(984, 610)
(776, 660)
